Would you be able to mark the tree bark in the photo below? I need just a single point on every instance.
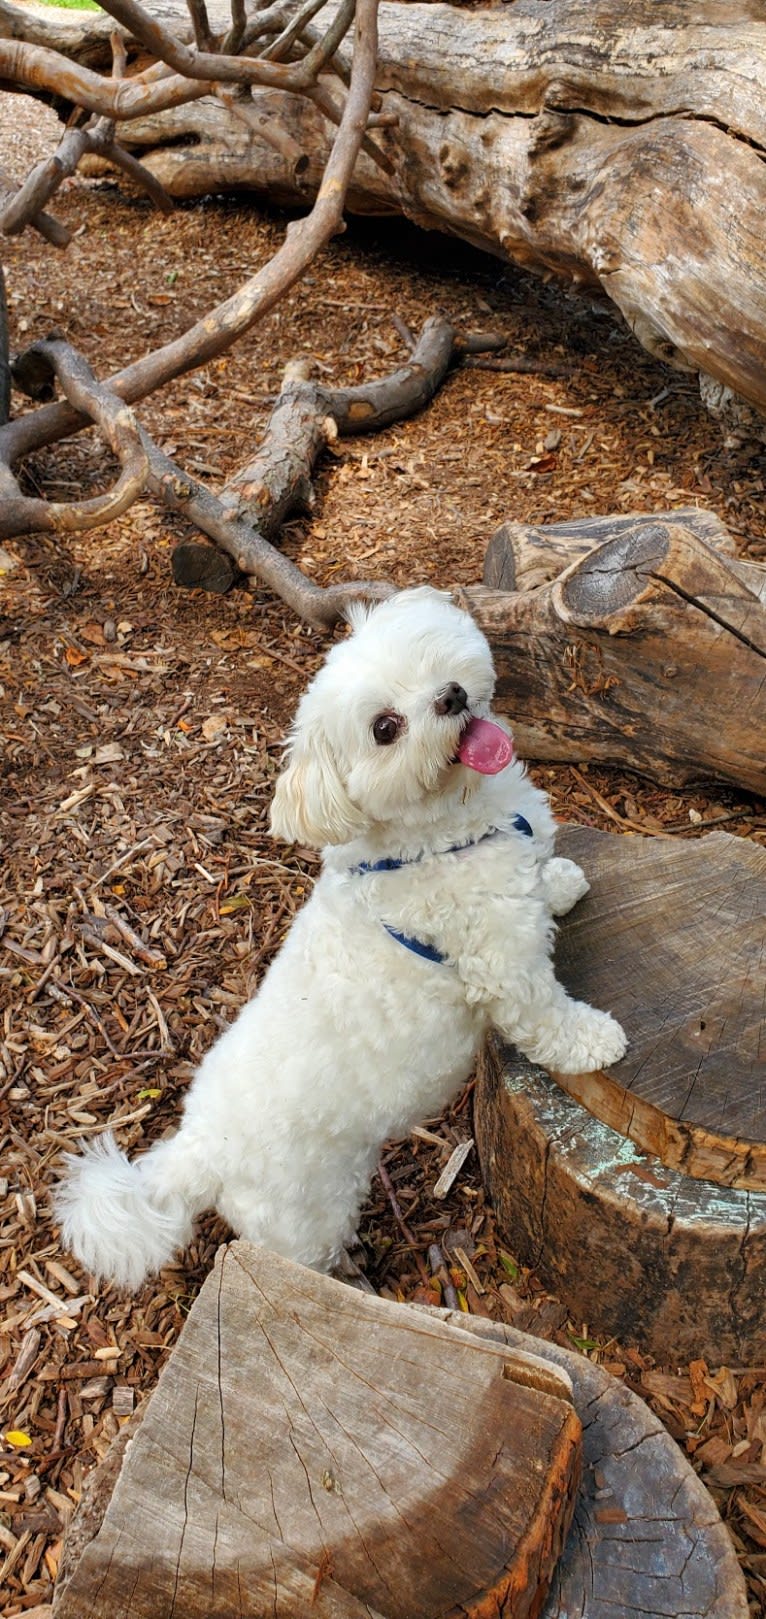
(620, 146)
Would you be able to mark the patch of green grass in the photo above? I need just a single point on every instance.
(73, 5)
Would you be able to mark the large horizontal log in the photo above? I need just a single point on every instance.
(618, 145)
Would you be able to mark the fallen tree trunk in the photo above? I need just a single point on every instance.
(639, 641)
(619, 146)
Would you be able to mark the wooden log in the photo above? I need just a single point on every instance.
(312, 1451)
(647, 650)
(524, 556)
(647, 1212)
(646, 1541)
(619, 147)
(670, 938)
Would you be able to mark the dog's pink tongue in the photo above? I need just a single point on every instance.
(485, 747)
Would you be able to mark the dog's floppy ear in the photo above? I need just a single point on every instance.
(310, 803)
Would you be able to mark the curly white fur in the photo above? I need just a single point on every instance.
(352, 1038)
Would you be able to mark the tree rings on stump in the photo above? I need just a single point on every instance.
(647, 1212)
(177, 1505)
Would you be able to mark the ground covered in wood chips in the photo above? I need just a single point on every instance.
(141, 896)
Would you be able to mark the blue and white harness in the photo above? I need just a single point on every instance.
(428, 951)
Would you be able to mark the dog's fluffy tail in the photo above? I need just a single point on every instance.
(124, 1220)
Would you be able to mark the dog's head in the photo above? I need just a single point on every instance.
(377, 732)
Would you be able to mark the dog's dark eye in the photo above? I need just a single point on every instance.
(386, 729)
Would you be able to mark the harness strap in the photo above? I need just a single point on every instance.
(520, 824)
(417, 946)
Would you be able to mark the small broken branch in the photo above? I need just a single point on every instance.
(97, 137)
(307, 416)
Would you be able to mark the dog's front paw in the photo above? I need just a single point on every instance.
(592, 1040)
(564, 883)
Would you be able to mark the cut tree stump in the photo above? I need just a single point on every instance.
(639, 1193)
(311, 1450)
(646, 1541)
(638, 640)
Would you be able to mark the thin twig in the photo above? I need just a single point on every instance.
(385, 1179)
(439, 1270)
(603, 803)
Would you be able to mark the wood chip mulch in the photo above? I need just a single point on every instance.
(140, 896)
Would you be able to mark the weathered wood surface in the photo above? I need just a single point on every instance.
(647, 650)
(646, 1541)
(618, 145)
(671, 940)
(635, 1246)
(311, 1450)
(639, 1252)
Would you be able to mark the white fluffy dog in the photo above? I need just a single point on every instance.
(431, 922)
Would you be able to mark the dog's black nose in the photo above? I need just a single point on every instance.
(453, 700)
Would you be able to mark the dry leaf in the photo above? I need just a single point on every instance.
(724, 1387)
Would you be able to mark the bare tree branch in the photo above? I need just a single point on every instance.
(203, 35)
(24, 514)
(307, 416)
(142, 177)
(211, 67)
(228, 519)
(292, 30)
(49, 228)
(247, 547)
(239, 104)
(232, 41)
(36, 67)
(216, 332)
(43, 181)
(46, 178)
(253, 505)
